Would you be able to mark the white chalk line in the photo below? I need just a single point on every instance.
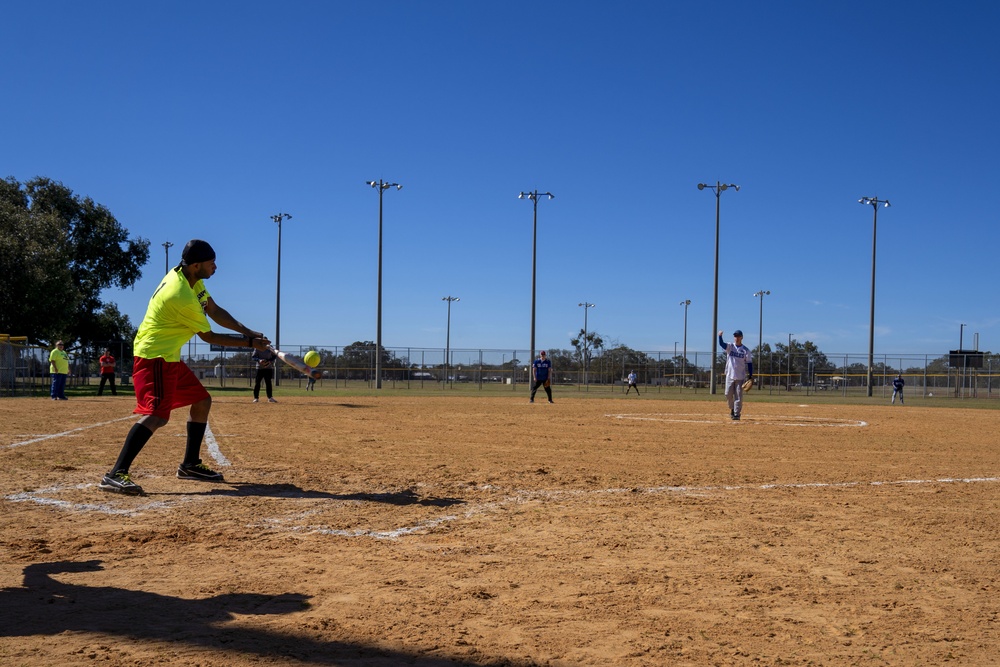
(778, 420)
(213, 448)
(297, 523)
(64, 433)
(212, 444)
(39, 497)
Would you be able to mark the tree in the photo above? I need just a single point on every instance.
(585, 343)
(58, 252)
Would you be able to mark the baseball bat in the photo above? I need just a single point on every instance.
(297, 363)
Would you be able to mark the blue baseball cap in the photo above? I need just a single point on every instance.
(738, 333)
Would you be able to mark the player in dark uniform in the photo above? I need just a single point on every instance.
(897, 388)
(541, 368)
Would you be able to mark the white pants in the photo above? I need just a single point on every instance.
(734, 395)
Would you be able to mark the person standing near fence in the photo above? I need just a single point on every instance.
(739, 367)
(633, 380)
(59, 368)
(897, 388)
(265, 369)
(541, 369)
(107, 362)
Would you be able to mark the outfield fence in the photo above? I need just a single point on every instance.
(24, 370)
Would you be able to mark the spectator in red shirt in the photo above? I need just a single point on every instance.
(107, 372)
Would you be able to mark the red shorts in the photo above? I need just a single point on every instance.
(162, 386)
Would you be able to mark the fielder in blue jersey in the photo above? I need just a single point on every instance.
(541, 369)
(897, 388)
(739, 368)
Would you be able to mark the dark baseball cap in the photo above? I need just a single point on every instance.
(196, 251)
(738, 333)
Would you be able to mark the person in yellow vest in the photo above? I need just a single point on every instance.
(59, 368)
(107, 361)
(179, 308)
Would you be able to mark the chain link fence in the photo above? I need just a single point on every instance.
(24, 370)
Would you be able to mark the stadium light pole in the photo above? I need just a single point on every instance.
(686, 303)
(874, 202)
(381, 186)
(167, 245)
(533, 196)
(586, 307)
(760, 325)
(277, 218)
(718, 188)
(447, 338)
(788, 381)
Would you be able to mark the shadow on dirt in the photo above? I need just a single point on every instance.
(45, 606)
(243, 490)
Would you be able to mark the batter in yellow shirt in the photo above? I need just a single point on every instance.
(176, 312)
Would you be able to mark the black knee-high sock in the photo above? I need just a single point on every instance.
(195, 434)
(548, 392)
(136, 439)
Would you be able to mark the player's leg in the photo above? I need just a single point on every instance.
(111, 381)
(154, 396)
(267, 384)
(737, 399)
(191, 392)
(256, 384)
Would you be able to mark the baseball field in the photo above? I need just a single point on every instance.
(481, 530)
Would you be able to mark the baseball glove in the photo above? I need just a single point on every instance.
(748, 384)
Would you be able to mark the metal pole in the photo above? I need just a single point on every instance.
(715, 293)
(685, 303)
(166, 256)
(378, 326)
(447, 344)
(533, 196)
(278, 217)
(586, 307)
(760, 328)
(381, 186)
(788, 380)
(534, 259)
(718, 188)
(874, 202)
(871, 317)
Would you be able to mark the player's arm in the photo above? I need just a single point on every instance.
(750, 370)
(722, 343)
(257, 342)
(222, 317)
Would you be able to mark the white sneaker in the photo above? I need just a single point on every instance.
(255, 400)
(271, 400)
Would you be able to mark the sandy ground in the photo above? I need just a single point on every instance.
(435, 531)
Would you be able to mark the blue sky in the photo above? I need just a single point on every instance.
(203, 119)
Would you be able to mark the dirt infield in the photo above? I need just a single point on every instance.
(432, 531)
